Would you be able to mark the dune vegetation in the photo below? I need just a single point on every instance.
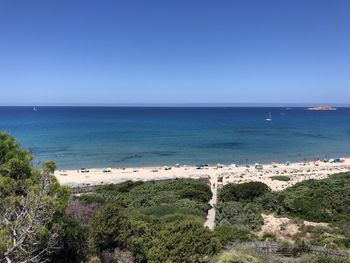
(282, 178)
(320, 201)
(33, 223)
(154, 221)
(159, 221)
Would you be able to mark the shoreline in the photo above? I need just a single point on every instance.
(297, 171)
(239, 162)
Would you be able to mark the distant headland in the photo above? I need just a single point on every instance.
(322, 108)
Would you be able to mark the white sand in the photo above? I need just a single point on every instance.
(296, 171)
(284, 228)
(210, 221)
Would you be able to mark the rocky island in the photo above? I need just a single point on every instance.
(322, 108)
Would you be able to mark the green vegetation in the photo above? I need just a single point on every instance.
(239, 214)
(324, 200)
(283, 178)
(243, 192)
(329, 259)
(149, 222)
(109, 228)
(237, 207)
(227, 234)
(183, 241)
(242, 255)
(163, 221)
(158, 221)
(268, 236)
(183, 196)
(33, 225)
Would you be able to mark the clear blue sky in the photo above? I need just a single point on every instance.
(180, 51)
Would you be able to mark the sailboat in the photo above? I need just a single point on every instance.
(35, 109)
(269, 118)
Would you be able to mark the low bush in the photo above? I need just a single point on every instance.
(239, 215)
(181, 193)
(240, 256)
(332, 241)
(283, 178)
(155, 221)
(120, 188)
(109, 229)
(329, 259)
(202, 195)
(81, 211)
(268, 236)
(324, 200)
(184, 241)
(90, 198)
(165, 210)
(227, 234)
(243, 192)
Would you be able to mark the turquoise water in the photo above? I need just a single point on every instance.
(136, 136)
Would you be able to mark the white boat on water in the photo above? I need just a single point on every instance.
(35, 109)
(269, 118)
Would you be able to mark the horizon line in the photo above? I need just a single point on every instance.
(180, 104)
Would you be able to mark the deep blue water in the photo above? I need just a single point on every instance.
(136, 136)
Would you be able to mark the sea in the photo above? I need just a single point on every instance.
(97, 137)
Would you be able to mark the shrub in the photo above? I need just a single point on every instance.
(152, 194)
(332, 241)
(33, 225)
(8, 186)
(243, 192)
(268, 236)
(328, 259)
(121, 188)
(143, 217)
(81, 211)
(15, 162)
(227, 234)
(196, 194)
(283, 178)
(272, 202)
(184, 241)
(324, 200)
(239, 214)
(165, 210)
(90, 198)
(109, 228)
(239, 256)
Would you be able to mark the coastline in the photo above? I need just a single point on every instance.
(297, 172)
(98, 137)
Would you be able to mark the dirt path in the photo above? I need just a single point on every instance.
(210, 222)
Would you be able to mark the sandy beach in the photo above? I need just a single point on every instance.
(223, 174)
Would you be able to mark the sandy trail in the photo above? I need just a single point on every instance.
(210, 222)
